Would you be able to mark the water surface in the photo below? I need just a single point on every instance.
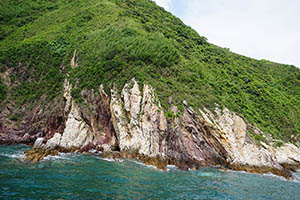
(74, 176)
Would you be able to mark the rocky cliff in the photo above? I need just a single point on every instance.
(132, 124)
(52, 95)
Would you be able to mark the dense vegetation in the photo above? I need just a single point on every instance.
(117, 40)
(2, 91)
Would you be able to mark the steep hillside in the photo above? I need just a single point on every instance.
(112, 41)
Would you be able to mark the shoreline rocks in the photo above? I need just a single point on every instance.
(38, 154)
(133, 125)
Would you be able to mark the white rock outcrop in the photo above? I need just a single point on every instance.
(134, 122)
(54, 142)
(234, 140)
(288, 154)
(77, 132)
(38, 143)
(138, 120)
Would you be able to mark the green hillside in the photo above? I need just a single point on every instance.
(117, 40)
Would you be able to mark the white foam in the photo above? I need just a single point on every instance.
(269, 175)
(171, 167)
(296, 180)
(93, 151)
(144, 165)
(112, 160)
(108, 159)
(275, 176)
(60, 156)
(19, 155)
(68, 154)
(297, 176)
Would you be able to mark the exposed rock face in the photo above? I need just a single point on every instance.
(98, 117)
(133, 125)
(39, 143)
(288, 156)
(83, 128)
(77, 132)
(74, 60)
(36, 122)
(9, 134)
(138, 120)
(242, 153)
(190, 143)
(54, 142)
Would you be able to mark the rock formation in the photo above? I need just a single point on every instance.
(242, 152)
(138, 120)
(132, 124)
(82, 128)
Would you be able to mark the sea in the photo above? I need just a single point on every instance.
(78, 176)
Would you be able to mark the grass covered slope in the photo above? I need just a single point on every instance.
(117, 40)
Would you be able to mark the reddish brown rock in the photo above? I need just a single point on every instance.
(87, 148)
(133, 126)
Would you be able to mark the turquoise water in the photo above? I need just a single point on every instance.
(74, 176)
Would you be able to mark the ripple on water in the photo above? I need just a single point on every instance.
(74, 176)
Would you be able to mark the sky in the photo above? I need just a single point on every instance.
(261, 29)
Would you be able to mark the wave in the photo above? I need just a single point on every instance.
(108, 159)
(93, 151)
(268, 175)
(18, 155)
(171, 167)
(61, 156)
(112, 160)
(275, 176)
(145, 165)
(297, 176)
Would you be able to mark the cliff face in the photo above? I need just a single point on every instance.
(133, 125)
(139, 123)
(86, 126)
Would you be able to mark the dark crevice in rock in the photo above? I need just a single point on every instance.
(188, 141)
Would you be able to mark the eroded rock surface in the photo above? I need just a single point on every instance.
(242, 152)
(88, 127)
(138, 119)
(132, 124)
(288, 156)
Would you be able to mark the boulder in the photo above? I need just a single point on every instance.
(38, 143)
(288, 156)
(54, 142)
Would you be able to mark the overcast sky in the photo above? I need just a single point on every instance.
(261, 29)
